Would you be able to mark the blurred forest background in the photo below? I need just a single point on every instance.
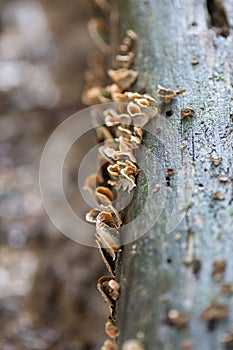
(48, 296)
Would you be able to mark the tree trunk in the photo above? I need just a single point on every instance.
(175, 271)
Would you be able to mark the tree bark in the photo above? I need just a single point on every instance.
(172, 266)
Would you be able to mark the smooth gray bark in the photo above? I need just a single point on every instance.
(173, 270)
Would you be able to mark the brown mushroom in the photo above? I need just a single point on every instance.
(109, 345)
(104, 195)
(111, 330)
(123, 77)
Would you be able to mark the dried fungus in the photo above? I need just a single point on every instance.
(166, 95)
(133, 344)
(216, 160)
(92, 215)
(140, 119)
(104, 195)
(133, 109)
(109, 345)
(111, 330)
(218, 270)
(218, 196)
(131, 34)
(116, 156)
(215, 312)
(227, 289)
(108, 236)
(227, 339)
(105, 290)
(115, 214)
(107, 259)
(187, 112)
(98, 31)
(91, 95)
(92, 181)
(179, 319)
(126, 60)
(187, 344)
(123, 77)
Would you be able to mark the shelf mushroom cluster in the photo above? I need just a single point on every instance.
(120, 126)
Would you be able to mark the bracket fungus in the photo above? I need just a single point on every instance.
(92, 215)
(123, 175)
(104, 195)
(109, 345)
(166, 95)
(125, 60)
(215, 312)
(123, 77)
(90, 95)
(111, 330)
(118, 119)
(133, 344)
(216, 160)
(107, 259)
(218, 269)
(98, 31)
(140, 119)
(187, 112)
(227, 289)
(227, 339)
(92, 181)
(142, 102)
(108, 237)
(109, 289)
(121, 130)
(218, 196)
(176, 318)
(133, 108)
(115, 214)
(131, 34)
